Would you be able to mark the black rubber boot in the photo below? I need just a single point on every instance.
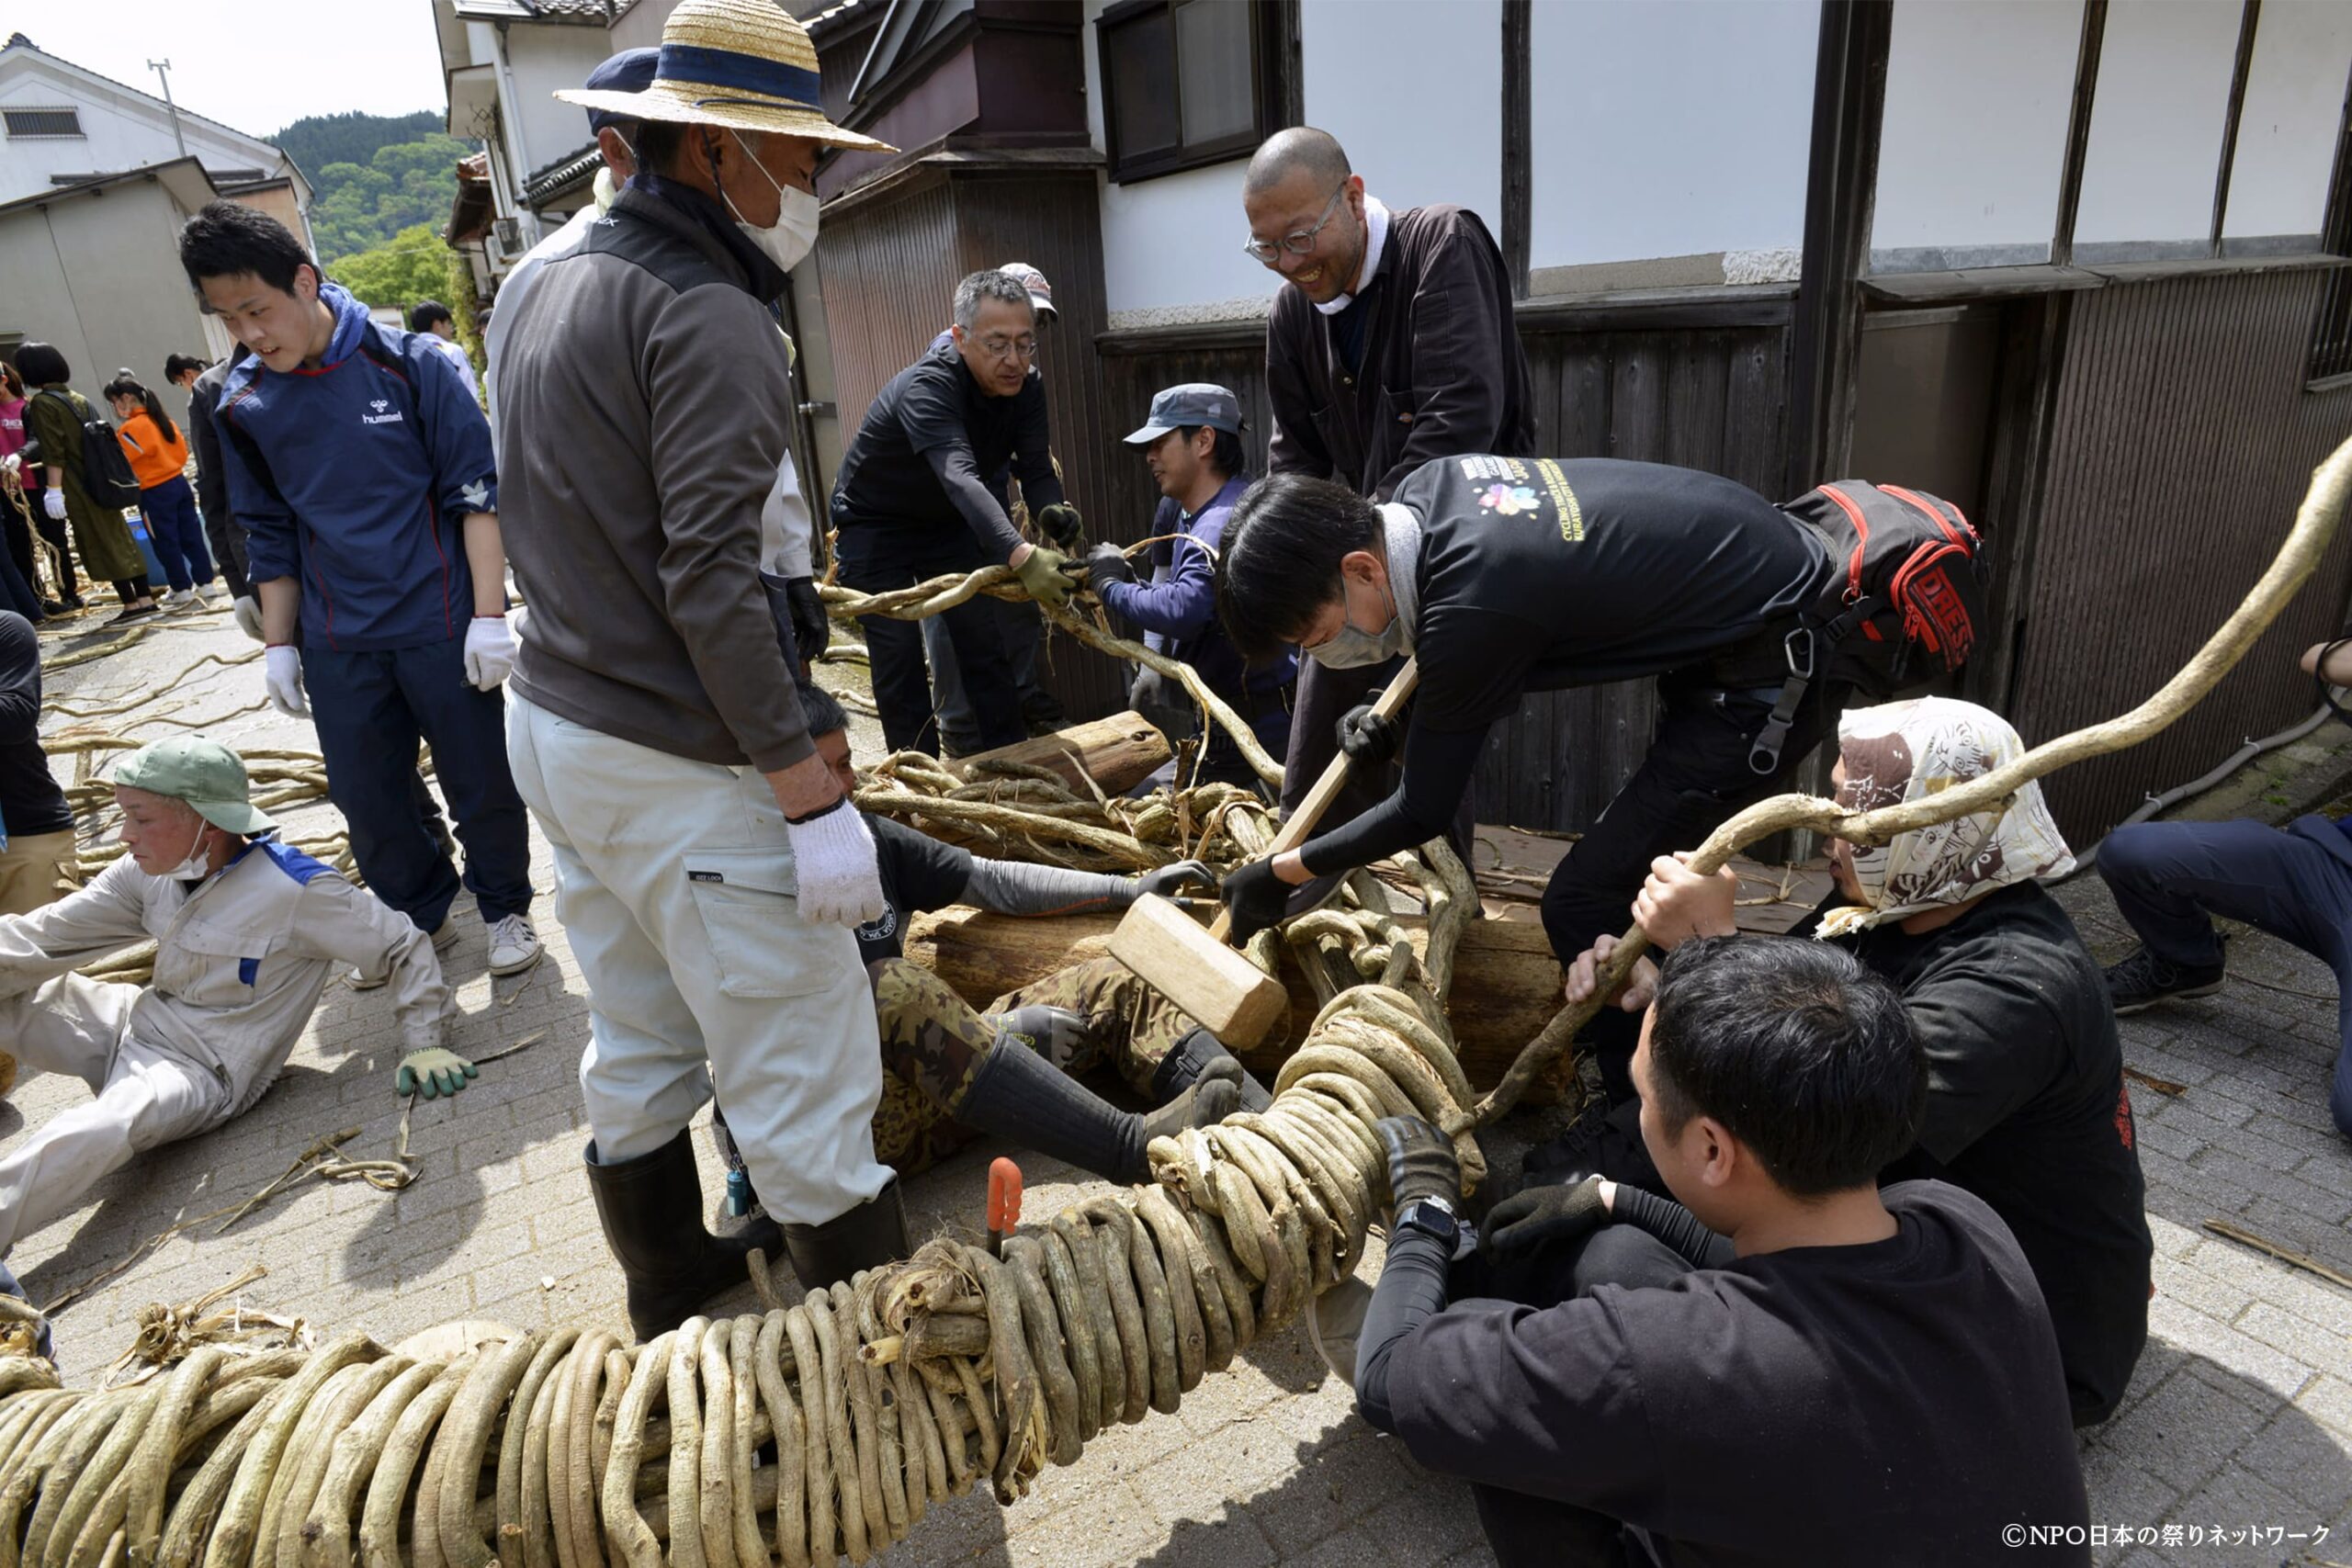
(869, 1235)
(1194, 1054)
(1019, 1096)
(651, 1208)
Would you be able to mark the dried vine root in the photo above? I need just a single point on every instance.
(326, 1530)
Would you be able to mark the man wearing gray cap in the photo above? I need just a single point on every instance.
(1191, 442)
(248, 932)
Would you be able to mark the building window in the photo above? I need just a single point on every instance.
(1186, 83)
(26, 123)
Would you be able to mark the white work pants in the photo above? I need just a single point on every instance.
(146, 1097)
(675, 883)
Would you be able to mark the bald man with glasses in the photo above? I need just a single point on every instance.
(922, 493)
(1393, 344)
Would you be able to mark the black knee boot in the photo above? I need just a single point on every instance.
(651, 1208)
(1019, 1096)
(867, 1237)
(1194, 1054)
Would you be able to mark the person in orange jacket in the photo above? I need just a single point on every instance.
(158, 453)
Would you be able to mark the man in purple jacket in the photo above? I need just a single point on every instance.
(1193, 443)
(360, 464)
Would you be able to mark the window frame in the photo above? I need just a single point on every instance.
(71, 110)
(1266, 98)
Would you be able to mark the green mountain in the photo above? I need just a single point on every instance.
(373, 175)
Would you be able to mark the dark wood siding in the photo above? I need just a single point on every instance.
(2182, 442)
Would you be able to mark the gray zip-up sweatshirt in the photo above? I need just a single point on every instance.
(643, 397)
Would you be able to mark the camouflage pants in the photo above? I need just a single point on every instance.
(933, 1041)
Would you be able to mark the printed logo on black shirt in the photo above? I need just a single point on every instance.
(380, 416)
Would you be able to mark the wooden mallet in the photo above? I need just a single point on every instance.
(1209, 981)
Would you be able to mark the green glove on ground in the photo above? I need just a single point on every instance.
(433, 1073)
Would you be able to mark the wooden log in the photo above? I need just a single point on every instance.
(1119, 752)
(1506, 986)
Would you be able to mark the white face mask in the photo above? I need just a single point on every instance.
(1351, 648)
(793, 235)
(606, 193)
(199, 863)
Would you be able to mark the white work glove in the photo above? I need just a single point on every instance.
(248, 615)
(53, 501)
(833, 855)
(490, 652)
(282, 674)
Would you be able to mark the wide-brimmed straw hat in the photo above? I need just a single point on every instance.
(742, 65)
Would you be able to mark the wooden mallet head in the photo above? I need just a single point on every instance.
(1191, 965)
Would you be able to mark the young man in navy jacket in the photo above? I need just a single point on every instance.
(360, 466)
(1193, 443)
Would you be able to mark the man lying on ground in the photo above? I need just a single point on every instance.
(1012, 1071)
(248, 933)
(1790, 1365)
(2171, 878)
(2026, 1102)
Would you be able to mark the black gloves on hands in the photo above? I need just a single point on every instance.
(812, 629)
(1061, 524)
(1167, 879)
(1421, 1161)
(1256, 897)
(1542, 1216)
(1370, 739)
(1107, 563)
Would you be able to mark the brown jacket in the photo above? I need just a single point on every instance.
(1442, 373)
(641, 418)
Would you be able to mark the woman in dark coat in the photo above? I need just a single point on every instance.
(55, 414)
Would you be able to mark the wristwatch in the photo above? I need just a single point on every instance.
(1431, 1216)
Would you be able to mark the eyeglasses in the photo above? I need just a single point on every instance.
(1299, 242)
(1009, 348)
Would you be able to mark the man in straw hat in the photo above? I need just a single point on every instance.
(248, 932)
(709, 868)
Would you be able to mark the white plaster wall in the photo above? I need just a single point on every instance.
(2294, 94)
(1415, 94)
(1171, 247)
(1977, 95)
(546, 59)
(2155, 141)
(115, 136)
(1660, 129)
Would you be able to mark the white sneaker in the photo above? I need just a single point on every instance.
(210, 593)
(179, 599)
(514, 945)
(441, 940)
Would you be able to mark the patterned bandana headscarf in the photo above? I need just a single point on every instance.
(1906, 752)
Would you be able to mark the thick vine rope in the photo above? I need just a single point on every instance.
(827, 1428)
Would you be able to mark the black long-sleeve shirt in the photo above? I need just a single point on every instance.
(934, 449)
(1537, 574)
(30, 801)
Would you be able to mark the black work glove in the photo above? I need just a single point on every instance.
(1061, 524)
(1107, 563)
(812, 629)
(1167, 879)
(1256, 897)
(1542, 1216)
(1370, 739)
(1421, 1161)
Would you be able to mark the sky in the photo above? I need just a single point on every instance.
(252, 64)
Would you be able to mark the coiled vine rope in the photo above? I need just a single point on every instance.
(826, 1428)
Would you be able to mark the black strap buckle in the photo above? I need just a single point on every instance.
(1799, 648)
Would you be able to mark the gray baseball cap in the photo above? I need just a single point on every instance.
(1194, 402)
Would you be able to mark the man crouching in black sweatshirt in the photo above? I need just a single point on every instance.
(1788, 1366)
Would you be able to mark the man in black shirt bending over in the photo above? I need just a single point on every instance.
(1505, 575)
(913, 502)
(1788, 1366)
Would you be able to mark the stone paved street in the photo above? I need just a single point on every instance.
(2240, 1418)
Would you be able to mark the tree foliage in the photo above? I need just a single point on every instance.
(373, 176)
(413, 265)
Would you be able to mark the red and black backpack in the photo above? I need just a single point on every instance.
(1907, 603)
